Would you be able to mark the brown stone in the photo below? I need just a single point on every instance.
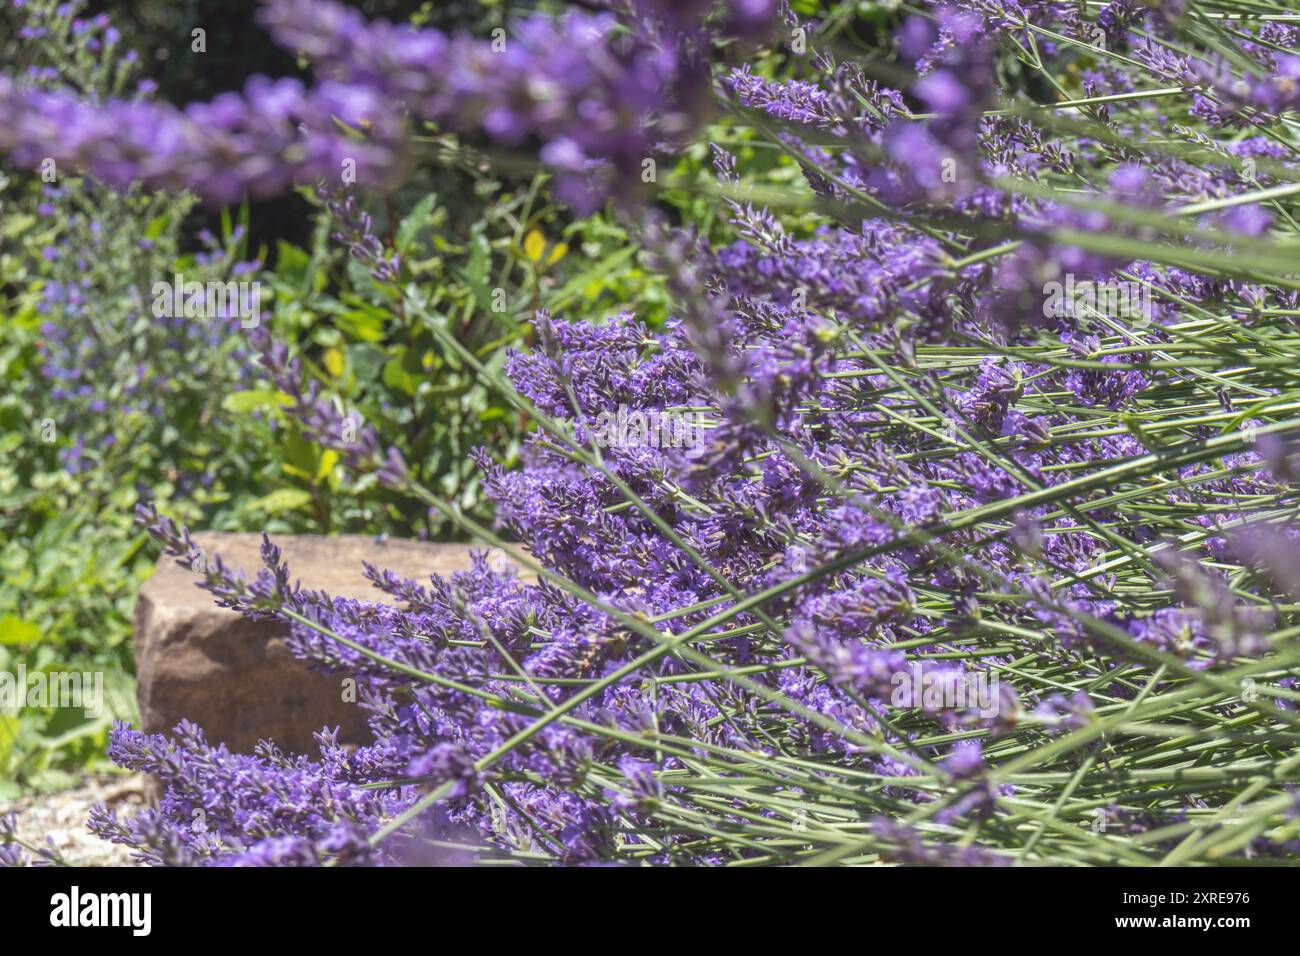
(234, 677)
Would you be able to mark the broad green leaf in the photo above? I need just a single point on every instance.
(255, 399)
(156, 227)
(300, 453)
(362, 324)
(534, 245)
(328, 459)
(333, 361)
(397, 377)
(292, 264)
(17, 630)
(283, 500)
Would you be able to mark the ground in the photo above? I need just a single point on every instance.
(61, 816)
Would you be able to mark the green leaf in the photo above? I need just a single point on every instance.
(8, 737)
(398, 378)
(17, 630)
(328, 459)
(292, 264)
(365, 324)
(282, 500)
(417, 219)
(15, 224)
(156, 227)
(300, 453)
(255, 399)
(366, 361)
(475, 272)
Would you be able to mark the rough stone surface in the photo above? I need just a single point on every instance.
(234, 677)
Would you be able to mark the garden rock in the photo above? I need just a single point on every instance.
(235, 677)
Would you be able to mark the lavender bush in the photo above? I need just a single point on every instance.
(980, 550)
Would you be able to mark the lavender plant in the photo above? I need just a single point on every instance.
(980, 553)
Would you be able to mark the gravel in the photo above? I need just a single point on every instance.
(61, 817)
